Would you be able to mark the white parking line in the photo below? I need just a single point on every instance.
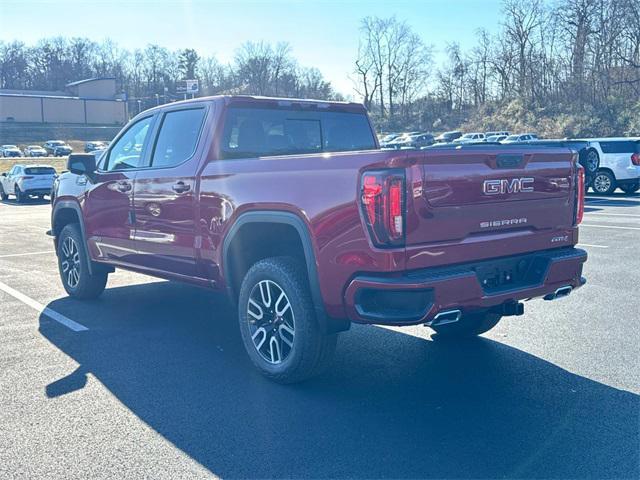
(612, 214)
(604, 200)
(25, 254)
(608, 226)
(53, 315)
(592, 246)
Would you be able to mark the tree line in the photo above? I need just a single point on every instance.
(561, 68)
(567, 68)
(149, 75)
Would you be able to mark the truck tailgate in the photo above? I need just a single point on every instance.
(468, 198)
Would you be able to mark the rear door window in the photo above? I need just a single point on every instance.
(259, 132)
(620, 146)
(178, 137)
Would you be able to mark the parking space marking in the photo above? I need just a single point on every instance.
(612, 214)
(592, 246)
(26, 254)
(53, 315)
(608, 226)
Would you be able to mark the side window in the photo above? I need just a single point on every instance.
(127, 152)
(178, 137)
(618, 147)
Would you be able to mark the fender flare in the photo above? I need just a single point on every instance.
(73, 205)
(330, 325)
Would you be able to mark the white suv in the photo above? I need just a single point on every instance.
(470, 138)
(27, 180)
(619, 165)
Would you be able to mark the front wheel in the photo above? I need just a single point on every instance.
(630, 188)
(73, 265)
(604, 183)
(278, 324)
(3, 194)
(469, 325)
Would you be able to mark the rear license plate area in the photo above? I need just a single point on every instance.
(512, 273)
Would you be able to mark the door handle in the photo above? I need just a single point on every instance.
(181, 187)
(123, 187)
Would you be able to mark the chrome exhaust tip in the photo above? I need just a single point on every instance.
(448, 316)
(559, 293)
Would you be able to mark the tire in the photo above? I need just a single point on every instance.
(20, 197)
(72, 256)
(469, 325)
(629, 188)
(604, 183)
(285, 342)
(3, 195)
(592, 162)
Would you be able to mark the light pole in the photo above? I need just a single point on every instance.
(139, 106)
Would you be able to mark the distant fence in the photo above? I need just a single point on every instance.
(23, 133)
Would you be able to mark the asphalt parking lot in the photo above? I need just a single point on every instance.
(151, 380)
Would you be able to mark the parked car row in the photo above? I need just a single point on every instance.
(408, 140)
(52, 148)
(414, 140)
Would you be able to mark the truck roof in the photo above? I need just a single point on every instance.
(270, 102)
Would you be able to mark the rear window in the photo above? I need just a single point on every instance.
(39, 171)
(259, 132)
(621, 146)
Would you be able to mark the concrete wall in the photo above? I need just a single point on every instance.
(63, 110)
(106, 112)
(21, 109)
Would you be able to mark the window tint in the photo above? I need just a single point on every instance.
(255, 132)
(127, 151)
(178, 137)
(39, 171)
(624, 146)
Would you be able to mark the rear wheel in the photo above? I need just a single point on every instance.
(630, 188)
(20, 197)
(278, 324)
(469, 325)
(604, 183)
(73, 265)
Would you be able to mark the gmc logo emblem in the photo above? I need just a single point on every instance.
(502, 186)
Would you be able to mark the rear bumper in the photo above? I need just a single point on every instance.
(418, 296)
(37, 191)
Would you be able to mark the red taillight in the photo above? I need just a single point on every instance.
(580, 196)
(383, 206)
(635, 159)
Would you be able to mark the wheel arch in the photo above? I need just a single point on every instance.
(606, 169)
(64, 213)
(293, 221)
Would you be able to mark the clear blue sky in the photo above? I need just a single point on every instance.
(323, 34)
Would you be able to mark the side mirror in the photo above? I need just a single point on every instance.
(3, 174)
(82, 164)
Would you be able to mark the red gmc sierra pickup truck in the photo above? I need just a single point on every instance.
(291, 208)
